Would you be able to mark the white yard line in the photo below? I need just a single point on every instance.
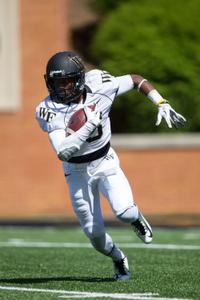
(191, 236)
(27, 244)
(161, 246)
(77, 294)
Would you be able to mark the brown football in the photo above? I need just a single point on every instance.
(77, 120)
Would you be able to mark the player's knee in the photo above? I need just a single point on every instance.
(129, 215)
(102, 243)
(93, 231)
(81, 208)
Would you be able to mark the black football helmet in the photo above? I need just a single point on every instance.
(65, 77)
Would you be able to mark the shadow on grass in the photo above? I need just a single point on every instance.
(48, 279)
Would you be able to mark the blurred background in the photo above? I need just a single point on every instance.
(158, 39)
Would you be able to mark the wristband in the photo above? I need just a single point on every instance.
(155, 97)
(162, 101)
(140, 84)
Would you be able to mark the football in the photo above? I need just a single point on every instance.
(77, 120)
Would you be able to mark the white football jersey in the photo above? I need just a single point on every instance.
(102, 88)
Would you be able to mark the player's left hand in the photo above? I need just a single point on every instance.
(172, 118)
(93, 116)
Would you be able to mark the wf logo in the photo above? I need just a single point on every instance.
(46, 114)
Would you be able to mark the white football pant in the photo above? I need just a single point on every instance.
(86, 181)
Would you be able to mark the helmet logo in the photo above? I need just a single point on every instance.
(57, 72)
(77, 61)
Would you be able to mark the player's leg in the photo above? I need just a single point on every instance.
(117, 190)
(86, 205)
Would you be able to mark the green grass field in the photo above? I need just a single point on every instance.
(52, 263)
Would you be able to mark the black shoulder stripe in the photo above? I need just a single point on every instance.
(106, 80)
(106, 76)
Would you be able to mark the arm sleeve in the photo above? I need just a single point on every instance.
(125, 84)
(56, 137)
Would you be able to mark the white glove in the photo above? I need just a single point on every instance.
(171, 117)
(93, 116)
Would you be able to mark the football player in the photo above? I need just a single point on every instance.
(90, 164)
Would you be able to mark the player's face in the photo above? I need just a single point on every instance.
(64, 86)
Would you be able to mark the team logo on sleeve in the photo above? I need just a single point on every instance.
(46, 114)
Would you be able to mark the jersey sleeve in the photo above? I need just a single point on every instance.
(102, 82)
(125, 84)
(48, 119)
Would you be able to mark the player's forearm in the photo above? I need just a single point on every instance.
(72, 143)
(146, 88)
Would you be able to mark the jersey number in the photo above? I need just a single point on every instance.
(97, 136)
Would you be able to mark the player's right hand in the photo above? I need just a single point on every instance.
(93, 116)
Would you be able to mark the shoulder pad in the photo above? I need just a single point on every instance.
(101, 81)
(48, 118)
